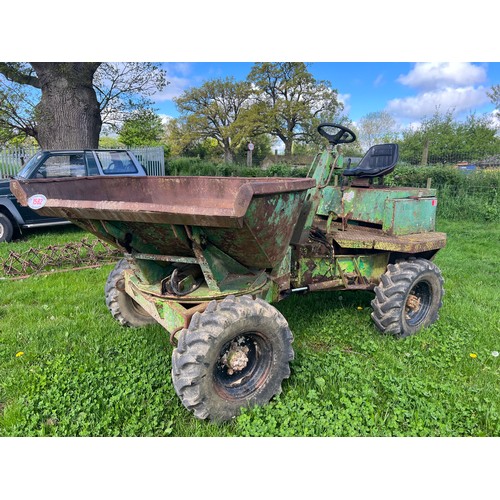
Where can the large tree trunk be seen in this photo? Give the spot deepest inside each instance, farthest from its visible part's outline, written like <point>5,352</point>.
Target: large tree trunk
<point>288,147</point>
<point>228,153</point>
<point>68,112</point>
<point>228,156</point>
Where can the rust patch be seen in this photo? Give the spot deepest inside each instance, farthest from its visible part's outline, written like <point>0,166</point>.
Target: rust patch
<point>200,201</point>
<point>372,238</point>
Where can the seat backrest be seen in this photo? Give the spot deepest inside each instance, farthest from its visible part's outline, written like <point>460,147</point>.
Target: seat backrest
<point>379,160</point>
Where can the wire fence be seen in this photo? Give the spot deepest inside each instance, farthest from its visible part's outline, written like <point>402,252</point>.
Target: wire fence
<point>12,159</point>
<point>459,160</point>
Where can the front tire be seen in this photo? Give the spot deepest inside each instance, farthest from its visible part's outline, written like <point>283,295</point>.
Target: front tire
<point>235,354</point>
<point>408,297</point>
<point>121,306</point>
<point>6,229</point>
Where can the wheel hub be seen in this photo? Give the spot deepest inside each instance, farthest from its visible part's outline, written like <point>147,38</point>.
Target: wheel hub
<point>235,359</point>
<point>413,302</point>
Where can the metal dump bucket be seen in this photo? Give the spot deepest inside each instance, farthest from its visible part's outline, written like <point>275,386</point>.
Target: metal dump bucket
<point>250,219</point>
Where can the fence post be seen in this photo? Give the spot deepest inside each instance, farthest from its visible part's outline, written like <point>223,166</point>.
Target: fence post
<point>425,153</point>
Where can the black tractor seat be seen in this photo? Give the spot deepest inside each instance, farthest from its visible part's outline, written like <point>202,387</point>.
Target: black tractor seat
<point>379,160</point>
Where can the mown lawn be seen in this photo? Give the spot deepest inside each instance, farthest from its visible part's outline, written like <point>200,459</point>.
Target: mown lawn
<point>81,374</point>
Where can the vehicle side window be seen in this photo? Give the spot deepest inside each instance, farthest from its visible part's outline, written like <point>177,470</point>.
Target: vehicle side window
<point>91,164</point>
<point>70,165</point>
<point>116,163</point>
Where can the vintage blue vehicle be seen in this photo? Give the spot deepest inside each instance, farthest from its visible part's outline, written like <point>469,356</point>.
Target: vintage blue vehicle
<point>54,164</point>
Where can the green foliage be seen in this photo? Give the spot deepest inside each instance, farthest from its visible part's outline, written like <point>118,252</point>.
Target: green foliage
<point>142,128</point>
<point>108,142</point>
<point>290,102</point>
<point>448,140</point>
<point>262,148</point>
<point>198,166</point>
<point>494,95</point>
<point>17,105</point>
<point>214,111</point>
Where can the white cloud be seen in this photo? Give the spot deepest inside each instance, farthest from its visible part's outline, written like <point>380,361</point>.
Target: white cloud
<point>183,69</point>
<point>429,76</point>
<point>343,98</point>
<point>452,86</point>
<point>175,88</point>
<point>495,119</point>
<point>415,125</point>
<point>178,76</point>
<point>444,99</point>
<point>165,119</point>
<point>378,81</point>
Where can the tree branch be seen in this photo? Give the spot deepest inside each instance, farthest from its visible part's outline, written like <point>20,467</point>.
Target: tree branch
<point>14,73</point>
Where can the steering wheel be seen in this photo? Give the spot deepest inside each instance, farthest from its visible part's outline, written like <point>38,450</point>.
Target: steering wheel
<point>337,138</point>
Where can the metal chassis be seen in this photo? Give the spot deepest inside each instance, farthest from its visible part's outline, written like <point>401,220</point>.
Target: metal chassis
<point>366,227</point>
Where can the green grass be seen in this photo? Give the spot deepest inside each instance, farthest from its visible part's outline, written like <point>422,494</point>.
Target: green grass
<point>81,374</point>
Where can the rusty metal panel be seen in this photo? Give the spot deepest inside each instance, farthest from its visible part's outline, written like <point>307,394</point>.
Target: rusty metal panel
<point>370,204</point>
<point>406,216</point>
<point>268,225</point>
<point>251,219</point>
<point>200,201</point>
<point>375,239</point>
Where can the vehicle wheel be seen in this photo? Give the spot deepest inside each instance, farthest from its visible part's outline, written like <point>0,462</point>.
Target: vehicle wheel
<point>235,354</point>
<point>123,307</point>
<point>6,228</point>
<point>408,297</point>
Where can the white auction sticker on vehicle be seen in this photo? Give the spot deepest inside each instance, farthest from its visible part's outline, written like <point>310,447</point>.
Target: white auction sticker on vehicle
<point>37,201</point>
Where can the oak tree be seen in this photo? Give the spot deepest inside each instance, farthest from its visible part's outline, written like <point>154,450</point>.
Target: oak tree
<point>214,111</point>
<point>289,101</point>
<point>63,104</point>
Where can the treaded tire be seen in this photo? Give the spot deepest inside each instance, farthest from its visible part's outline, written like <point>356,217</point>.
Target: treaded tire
<point>123,307</point>
<point>6,228</point>
<point>205,384</point>
<point>393,312</point>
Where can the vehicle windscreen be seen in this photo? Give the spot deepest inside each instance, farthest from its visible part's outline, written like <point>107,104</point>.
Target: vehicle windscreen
<point>116,163</point>
<point>24,173</point>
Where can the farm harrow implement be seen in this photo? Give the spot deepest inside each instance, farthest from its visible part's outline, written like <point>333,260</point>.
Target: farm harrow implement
<point>71,256</point>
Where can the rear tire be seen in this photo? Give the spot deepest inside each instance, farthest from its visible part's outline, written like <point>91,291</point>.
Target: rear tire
<point>408,297</point>
<point>123,307</point>
<point>235,354</point>
<point>6,229</point>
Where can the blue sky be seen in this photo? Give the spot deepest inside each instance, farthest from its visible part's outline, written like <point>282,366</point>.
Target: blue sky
<point>409,91</point>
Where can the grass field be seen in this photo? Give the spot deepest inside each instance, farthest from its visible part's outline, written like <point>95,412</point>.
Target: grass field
<point>68,369</point>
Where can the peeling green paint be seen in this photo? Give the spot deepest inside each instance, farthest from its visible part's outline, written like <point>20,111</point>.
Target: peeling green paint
<point>397,210</point>
<point>367,268</point>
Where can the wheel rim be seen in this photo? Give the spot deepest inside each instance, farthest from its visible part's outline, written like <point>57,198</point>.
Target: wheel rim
<point>418,303</point>
<point>242,366</point>
<point>138,309</point>
<point>2,230</point>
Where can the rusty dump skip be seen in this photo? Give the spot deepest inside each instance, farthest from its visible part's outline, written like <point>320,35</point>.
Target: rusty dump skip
<point>251,219</point>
